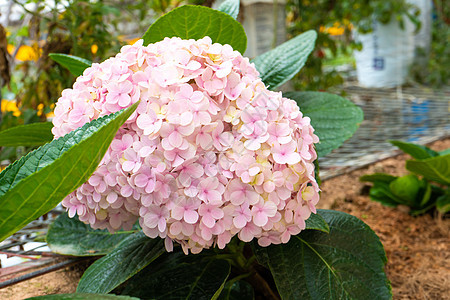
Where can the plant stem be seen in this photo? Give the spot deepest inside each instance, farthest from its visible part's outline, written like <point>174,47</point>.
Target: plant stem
<point>261,285</point>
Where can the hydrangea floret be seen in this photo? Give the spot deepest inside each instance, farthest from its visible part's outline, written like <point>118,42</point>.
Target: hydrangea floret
<point>208,154</point>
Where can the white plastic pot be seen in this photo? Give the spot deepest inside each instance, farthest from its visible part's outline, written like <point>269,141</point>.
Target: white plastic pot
<point>388,52</point>
<point>387,55</point>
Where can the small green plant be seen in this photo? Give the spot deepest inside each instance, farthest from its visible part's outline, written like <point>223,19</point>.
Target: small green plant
<point>426,188</point>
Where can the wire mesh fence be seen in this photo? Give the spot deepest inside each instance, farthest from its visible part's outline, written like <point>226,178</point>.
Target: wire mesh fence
<point>413,115</point>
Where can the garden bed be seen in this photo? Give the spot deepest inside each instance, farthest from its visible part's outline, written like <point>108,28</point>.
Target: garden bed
<point>417,248</point>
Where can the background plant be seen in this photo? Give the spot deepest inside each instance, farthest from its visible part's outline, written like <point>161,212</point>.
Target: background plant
<point>343,17</point>
<point>436,73</point>
<point>322,262</point>
<point>415,190</point>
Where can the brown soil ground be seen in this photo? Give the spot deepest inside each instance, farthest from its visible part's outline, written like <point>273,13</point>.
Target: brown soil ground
<point>417,248</point>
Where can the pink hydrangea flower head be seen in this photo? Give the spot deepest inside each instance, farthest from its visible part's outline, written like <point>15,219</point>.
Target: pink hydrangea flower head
<point>210,152</point>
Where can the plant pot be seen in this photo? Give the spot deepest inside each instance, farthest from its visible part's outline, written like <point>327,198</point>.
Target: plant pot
<point>386,56</point>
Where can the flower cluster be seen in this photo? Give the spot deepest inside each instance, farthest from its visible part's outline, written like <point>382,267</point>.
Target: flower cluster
<point>208,154</point>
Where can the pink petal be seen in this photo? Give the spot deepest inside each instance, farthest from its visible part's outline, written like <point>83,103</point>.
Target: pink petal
<point>175,139</point>
<point>239,221</point>
<point>260,219</point>
<point>190,216</point>
<point>141,180</point>
<point>72,211</point>
<point>127,166</point>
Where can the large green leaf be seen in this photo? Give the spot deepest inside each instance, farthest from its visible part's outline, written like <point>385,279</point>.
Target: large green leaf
<point>281,64</point>
<point>346,263</point>
<point>416,151</point>
<point>335,119</point>
<point>82,296</point>
<point>435,169</point>
<point>175,276</point>
<point>38,181</point>
<point>34,134</point>
<point>132,255</point>
<point>196,22</point>
<point>70,236</point>
<point>76,65</point>
<point>316,222</point>
<point>382,177</point>
<point>237,290</point>
<point>230,7</point>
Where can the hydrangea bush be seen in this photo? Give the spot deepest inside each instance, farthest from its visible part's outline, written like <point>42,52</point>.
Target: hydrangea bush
<point>180,145</point>
<point>209,153</point>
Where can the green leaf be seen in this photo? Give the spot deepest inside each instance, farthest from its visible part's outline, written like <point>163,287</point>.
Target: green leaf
<point>443,203</point>
<point>382,177</point>
<point>130,256</point>
<point>435,169</point>
<point>196,22</point>
<point>444,152</point>
<point>426,193</point>
<point>279,65</point>
<point>406,188</point>
<point>69,236</point>
<point>381,192</point>
<point>230,7</point>
<point>334,118</point>
<point>416,151</point>
<point>82,296</point>
<point>38,181</point>
<point>316,222</point>
<point>76,65</point>
<point>346,263</point>
<point>237,290</point>
<point>34,134</point>
<point>176,276</point>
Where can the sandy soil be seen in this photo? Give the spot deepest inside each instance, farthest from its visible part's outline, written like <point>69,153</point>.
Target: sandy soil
<point>418,248</point>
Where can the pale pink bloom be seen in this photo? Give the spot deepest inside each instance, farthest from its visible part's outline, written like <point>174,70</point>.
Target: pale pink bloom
<point>285,154</point>
<point>165,75</point>
<point>262,211</point>
<point>156,216</point>
<point>222,70</point>
<point>242,215</point>
<point>145,179</point>
<point>279,133</point>
<point>208,154</point>
<point>131,161</point>
<point>119,93</point>
<point>253,118</point>
<point>209,191</point>
<point>238,192</point>
<point>149,122</point>
<point>210,214</point>
<point>249,232</point>
<point>189,171</point>
<point>178,112</point>
<point>81,113</point>
<point>122,144</point>
<point>210,82</point>
<point>186,209</point>
<point>234,86</point>
<point>187,94</point>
